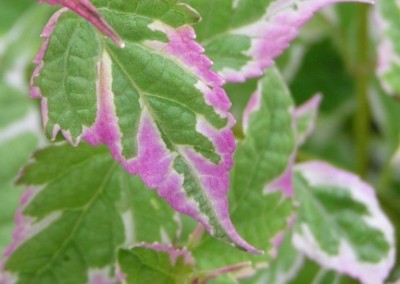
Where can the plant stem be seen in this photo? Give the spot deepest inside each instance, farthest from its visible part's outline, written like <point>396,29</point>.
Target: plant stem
<point>362,73</point>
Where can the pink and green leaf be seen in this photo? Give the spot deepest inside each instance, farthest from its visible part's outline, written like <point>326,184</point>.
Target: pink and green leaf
<point>304,119</point>
<point>57,231</point>
<point>341,225</point>
<point>85,9</point>
<point>243,37</point>
<point>18,138</point>
<point>388,20</point>
<point>57,225</point>
<point>155,103</point>
<point>263,155</point>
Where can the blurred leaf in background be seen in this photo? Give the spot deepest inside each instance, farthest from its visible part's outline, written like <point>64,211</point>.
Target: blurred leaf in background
<point>21,23</point>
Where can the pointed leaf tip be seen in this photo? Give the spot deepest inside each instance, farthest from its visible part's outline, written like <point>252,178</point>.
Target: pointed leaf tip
<point>136,109</point>
<point>86,10</point>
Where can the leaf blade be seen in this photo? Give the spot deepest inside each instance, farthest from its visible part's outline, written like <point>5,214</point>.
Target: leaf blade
<point>246,37</point>
<point>359,233</point>
<point>179,142</point>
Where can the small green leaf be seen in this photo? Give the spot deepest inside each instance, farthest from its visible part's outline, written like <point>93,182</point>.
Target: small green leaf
<point>155,263</point>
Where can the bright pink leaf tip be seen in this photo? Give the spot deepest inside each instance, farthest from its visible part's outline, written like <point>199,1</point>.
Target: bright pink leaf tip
<point>86,10</point>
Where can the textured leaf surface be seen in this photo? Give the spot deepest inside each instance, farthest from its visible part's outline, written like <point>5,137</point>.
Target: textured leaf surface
<point>85,9</point>
<point>147,218</point>
<point>155,103</point>
<point>388,15</point>
<point>340,224</point>
<point>155,263</point>
<point>261,157</point>
<point>243,37</point>
<point>58,233</point>
<point>79,206</point>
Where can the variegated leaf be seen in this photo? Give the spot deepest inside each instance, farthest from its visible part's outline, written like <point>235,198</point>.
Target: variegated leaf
<point>19,136</point>
<point>243,37</point>
<point>85,9</point>
<point>262,156</point>
<point>155,103</point>
<point>58,233</point>
<point>304,119</point>
<point>388,17</point>
<point>340,224</point>
<point>78,208</point>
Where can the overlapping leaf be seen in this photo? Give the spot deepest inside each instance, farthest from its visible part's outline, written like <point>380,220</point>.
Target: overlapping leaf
<point>58,230</point>
<point>85,9</point>
<point>17,140</point>
<point>340,224</point>
<point>155,263</point>
<point>243,37</point>
<point>261,157</point>
<point>304,119</point>
<point>388,16</point>
<point>155,103</point>
<point>76,211</point>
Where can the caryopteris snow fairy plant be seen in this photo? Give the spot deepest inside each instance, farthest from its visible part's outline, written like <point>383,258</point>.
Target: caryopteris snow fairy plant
<point>138,88</point>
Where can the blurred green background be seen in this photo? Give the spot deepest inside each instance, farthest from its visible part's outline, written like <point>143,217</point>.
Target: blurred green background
<point>358,128</point>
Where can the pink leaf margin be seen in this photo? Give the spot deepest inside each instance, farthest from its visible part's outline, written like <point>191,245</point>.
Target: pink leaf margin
<point>25,228</point>
<point>322,174</point>
<point>272,34</point>
<point>154,161</point>
<point>86,10</point>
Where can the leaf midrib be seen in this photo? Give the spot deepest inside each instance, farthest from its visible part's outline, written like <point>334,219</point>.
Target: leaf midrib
<point>176,149</point>
<point>78,223</point>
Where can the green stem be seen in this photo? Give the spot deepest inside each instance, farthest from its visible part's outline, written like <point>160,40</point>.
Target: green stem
<point>362,73</point>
